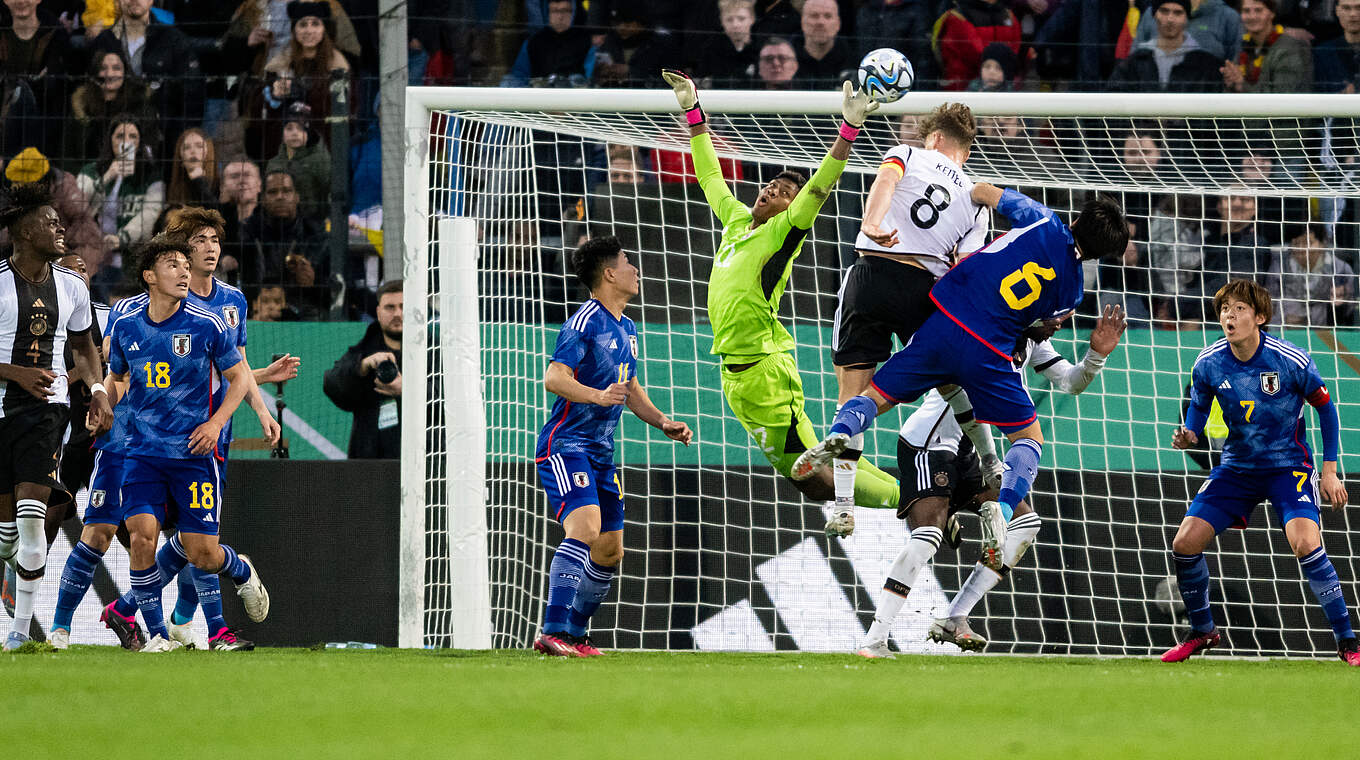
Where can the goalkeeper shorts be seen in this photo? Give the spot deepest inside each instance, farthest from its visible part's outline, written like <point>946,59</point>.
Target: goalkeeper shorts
<point>767,398</point>
<point>573,481</point>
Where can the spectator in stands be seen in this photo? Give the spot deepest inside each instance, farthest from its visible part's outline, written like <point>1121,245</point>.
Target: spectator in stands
<point>777,64</point>
<point>35,48</point>
<point>158,54</point>
<point>1176,256</point>
<point>1336,63</point>
<point>729,59</point>
<point>1314,287</point>
<point>279,245</point>
<point>1126,283</point>
<point>1232,248</point>
<point>193,177</point>
<point>304,156</point>
<point>108,92</point>
<point>558,54</point>
<point>776,18</point>
<point>301,73</point>
<point>901,24</point>
<point>125,192</point>
<point>1078,42</point>
<point>366,381</point>
<point>270,304</point>
<point>964,31</point>
<point>1270,60</point>
<point>82,234</point>
<point>1173,60</point>
<point>824,59</point>
<point>997,73</point>
<point>624,169</point>
<point>634,52</point>
<point>237,202</point>
<point>1215,27</point>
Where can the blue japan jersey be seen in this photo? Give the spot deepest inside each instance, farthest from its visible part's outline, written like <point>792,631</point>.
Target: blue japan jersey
<point>1262,401</point>
<point>602,351</point>
<point>1028,274</point>
<point>115,441</point>
<point>170,366</point>
<point>229,305</point>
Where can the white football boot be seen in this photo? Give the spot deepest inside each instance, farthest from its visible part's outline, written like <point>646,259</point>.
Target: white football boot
<point>876,650</point>
<point>819,456</point>
<point>183,633</point>
<point>993,534</point>
<point>59,639</point>
<point>955,631</point>
<point>159,644</point>
<point>253,594</point>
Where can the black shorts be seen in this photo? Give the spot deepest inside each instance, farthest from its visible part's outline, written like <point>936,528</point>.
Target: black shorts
<point>926,473</point>
<point>879,298</point>
<point>30,448</point>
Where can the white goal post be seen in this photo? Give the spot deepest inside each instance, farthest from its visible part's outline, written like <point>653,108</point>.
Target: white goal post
<point>499,183</point>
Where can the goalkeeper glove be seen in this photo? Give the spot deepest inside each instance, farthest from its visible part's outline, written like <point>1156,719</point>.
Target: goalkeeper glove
<point>855,107</point>
<point>685,94</point>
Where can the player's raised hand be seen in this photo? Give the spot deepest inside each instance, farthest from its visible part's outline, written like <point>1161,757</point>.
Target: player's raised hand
<point>204,438</point>
<point>615,394</point>
<point>1183,439</point>
<point>285,368</point>
<point>875,233</point>
<point>1108,330</point>
<point>38,382</point>
<point>1333,490</point>
<point>856,105</point>
<point>677,431</point>
<point>685,92</point>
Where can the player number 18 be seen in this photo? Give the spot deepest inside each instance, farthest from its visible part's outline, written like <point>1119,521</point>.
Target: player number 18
<point>161,378</point>
<point>203,495</point>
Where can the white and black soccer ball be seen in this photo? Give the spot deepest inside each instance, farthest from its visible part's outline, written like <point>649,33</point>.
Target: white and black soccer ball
<point>885,75</point>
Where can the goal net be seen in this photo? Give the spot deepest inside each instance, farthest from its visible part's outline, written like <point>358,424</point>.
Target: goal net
<point>724,555</point>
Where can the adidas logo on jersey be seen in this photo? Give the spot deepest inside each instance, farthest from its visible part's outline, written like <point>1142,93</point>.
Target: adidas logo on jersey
<point>613,345</point>
<point>38,304</point>
<point>1225,385</point>
<point>134,346</point>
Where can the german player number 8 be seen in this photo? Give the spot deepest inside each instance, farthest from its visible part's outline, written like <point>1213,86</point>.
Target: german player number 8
<point>925,212</point>
<point>161,378</point>
<point>1028,274</point>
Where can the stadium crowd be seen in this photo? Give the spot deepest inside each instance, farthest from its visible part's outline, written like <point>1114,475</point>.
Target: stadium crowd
<point>267,111</point>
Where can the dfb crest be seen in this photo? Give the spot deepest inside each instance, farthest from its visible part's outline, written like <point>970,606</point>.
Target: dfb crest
<point>580,479</point>
<point>97,498</point>
<point>1270,383</point>
<point>180,344</point>
<point>232,316</point>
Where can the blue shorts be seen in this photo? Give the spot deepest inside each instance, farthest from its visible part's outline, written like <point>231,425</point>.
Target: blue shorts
<point>943,353</point>
<point>106,490</point>
<point>190,489</point>
<point>1227,498</point>
<point>572,481</point>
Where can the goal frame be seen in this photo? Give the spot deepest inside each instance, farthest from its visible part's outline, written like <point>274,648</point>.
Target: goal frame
<point>466,429</point>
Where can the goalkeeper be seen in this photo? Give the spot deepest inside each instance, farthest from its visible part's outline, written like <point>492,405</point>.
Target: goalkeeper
<point>759,377</point>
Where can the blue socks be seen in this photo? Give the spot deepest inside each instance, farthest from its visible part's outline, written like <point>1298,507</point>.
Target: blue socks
<point>146,588</point>
<point>233,567</point>
<point>186,604</point>
<point>855,416</point>
<point>1022,465</point>
<point>76,578</point>
<point>1327,588</point>
<point>209,592</point>
<point>564,575</point>
<point>169,561</point>
<point>591,591</point>
<point>1192,575</point>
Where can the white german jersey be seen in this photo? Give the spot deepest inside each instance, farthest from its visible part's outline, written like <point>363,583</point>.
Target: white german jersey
<point>933,425</point>
<point>35,319</point>
<point>932,210</point>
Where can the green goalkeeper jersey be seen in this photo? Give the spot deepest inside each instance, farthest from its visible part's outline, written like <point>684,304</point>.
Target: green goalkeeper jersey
<point>752,266</point>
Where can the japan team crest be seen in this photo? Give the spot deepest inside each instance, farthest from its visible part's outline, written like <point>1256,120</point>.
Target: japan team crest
<point>1270,383</point>
<point>97,498</point>
<point>232,316</point>
<point>580,479</point>
<point>632,343</point>
<point>180,344</point>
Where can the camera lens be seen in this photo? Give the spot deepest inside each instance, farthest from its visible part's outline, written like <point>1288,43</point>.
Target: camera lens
<point>387,371</point>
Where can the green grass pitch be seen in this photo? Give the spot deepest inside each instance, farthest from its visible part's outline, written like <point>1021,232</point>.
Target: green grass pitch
<point>103,702</point>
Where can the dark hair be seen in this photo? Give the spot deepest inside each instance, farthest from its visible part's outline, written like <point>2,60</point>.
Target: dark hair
<point>156,248</point>
<point>141,156</point>
<point>391,286</point>
<point>1246,291</point>
<point>190,219</point>
<point>953,120</point>
<point>265,179</point>
<point>1100,230</point>
<point>795,177</point>
<point>588,262</point>
<point>774,40</point>
<point>1271,5</point>
<point>21,200</point>
<point>1316,229</point>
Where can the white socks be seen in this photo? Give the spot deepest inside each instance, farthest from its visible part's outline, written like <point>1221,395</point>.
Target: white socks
<point>914,556</point>
<point>1019,537</point>
<point>30,560</point>
<point>843,471</point>
<point>9,541</point>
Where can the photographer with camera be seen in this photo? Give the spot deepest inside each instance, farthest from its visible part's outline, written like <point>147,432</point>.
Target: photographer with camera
<point>367,381</point>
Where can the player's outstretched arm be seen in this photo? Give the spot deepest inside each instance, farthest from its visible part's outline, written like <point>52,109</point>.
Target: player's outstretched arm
<point>1074,378</point>
<point>268,425</point>
<point>205,436</point>
<point>725,206</point>
<point>877,204</point>
<point>640,404</point>
<point>855,108</point>
<point>561,381</point>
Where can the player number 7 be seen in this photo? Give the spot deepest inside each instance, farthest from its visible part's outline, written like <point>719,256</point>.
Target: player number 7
<point>1250,406</point>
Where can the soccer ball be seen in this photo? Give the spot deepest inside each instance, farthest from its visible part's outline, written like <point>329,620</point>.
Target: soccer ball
<point>885,75</point>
